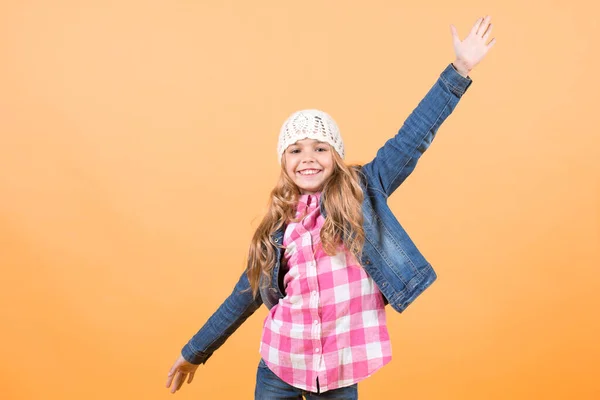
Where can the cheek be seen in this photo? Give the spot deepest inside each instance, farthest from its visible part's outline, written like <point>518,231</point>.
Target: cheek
<point>328,163</point>
<point>290,167</point>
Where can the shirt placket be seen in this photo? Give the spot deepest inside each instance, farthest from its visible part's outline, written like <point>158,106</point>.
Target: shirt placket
<point>313,285</point>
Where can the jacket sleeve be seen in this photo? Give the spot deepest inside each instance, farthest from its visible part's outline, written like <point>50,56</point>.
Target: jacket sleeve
<point>229,316</point>
<point>399,155</point>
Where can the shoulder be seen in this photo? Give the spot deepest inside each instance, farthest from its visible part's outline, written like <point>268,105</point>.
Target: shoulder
<point>361,173</point>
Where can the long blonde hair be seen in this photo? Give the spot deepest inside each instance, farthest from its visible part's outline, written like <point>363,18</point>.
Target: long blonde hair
<point>343,224</point>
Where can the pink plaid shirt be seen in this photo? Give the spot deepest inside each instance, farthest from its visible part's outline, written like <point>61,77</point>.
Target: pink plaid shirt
<point>331,326</point>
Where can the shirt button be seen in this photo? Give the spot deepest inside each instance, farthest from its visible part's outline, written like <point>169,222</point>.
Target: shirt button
<point>316,322</point>
<point>317,350</point>
<point>314,292</point>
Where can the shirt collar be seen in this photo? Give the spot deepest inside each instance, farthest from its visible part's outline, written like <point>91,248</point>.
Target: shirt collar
<point>309,201</point>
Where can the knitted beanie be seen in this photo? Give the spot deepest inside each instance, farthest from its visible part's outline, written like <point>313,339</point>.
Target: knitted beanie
<point>310,124</point>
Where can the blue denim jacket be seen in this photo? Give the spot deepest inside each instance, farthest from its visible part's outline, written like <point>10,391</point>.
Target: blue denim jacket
<point>389,256</point>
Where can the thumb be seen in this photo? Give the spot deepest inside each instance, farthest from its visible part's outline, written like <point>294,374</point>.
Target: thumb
<point>455,38</point>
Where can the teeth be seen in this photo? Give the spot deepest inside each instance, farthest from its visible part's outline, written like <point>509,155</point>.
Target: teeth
<point>309,172</point>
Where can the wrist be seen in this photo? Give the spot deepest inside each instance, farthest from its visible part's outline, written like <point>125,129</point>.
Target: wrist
<point>461,67</point>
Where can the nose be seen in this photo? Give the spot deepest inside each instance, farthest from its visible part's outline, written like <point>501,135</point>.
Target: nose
<point>308,156</point>
<point>308,161</point>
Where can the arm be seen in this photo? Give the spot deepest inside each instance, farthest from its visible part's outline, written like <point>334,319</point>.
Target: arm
<point>399,155</point>
<point>229,316</point>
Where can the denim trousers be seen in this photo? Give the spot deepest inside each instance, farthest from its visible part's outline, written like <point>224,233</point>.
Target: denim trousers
<point>270,387</point>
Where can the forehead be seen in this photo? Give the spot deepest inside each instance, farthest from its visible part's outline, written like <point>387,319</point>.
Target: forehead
<point>307,142</point>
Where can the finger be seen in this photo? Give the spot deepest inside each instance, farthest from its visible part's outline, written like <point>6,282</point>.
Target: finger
<point>483,26</point>
<point>181,381</point>
<point>170,376</point>
<point>486,35</point>
<point>491,44</point>
<point>476,26</point>
<point>191,378</point>
<point>176,382</point>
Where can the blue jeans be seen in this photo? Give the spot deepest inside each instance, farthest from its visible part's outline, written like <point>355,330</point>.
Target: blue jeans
<point>270,387</point>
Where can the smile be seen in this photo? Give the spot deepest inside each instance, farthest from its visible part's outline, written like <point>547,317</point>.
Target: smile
<point>309,172</point>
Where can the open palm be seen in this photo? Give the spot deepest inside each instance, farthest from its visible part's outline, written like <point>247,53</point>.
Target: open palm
<point>470,51</point>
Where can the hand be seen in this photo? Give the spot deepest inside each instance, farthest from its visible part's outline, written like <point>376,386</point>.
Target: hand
<point>180,371</point>
<point>473,49</point>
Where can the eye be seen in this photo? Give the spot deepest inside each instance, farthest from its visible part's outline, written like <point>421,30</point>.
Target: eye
<point>293,151</point>
<point>322,149</point>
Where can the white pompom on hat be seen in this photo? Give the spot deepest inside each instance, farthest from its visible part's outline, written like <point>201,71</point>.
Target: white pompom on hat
<point>310,124</point>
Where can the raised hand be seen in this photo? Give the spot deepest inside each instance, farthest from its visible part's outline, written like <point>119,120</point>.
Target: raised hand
<point>470,51</point>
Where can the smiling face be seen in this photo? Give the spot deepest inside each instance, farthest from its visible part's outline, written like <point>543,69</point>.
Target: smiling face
<point>309,163</point>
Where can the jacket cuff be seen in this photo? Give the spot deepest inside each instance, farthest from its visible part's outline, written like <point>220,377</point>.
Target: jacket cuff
<point>194,357</point>
<point>457,83</point>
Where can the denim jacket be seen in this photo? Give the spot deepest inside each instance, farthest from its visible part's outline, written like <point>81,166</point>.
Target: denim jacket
<point>389,256</point>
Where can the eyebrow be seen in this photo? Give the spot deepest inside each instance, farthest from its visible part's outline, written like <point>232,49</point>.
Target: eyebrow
<point>314,142</point>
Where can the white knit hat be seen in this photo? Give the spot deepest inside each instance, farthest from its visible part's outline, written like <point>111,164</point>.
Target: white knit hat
<point>310,124</point>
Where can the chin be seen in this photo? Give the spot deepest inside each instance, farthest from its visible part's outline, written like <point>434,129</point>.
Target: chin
<point>312,190</point>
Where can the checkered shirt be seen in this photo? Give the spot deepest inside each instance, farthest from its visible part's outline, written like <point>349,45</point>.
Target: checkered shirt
<point>331,325</point>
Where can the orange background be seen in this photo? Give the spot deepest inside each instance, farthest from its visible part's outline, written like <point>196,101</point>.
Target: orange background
<point>138,147</point>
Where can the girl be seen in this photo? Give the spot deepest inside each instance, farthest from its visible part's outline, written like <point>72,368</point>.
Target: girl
<point>330,255</point>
